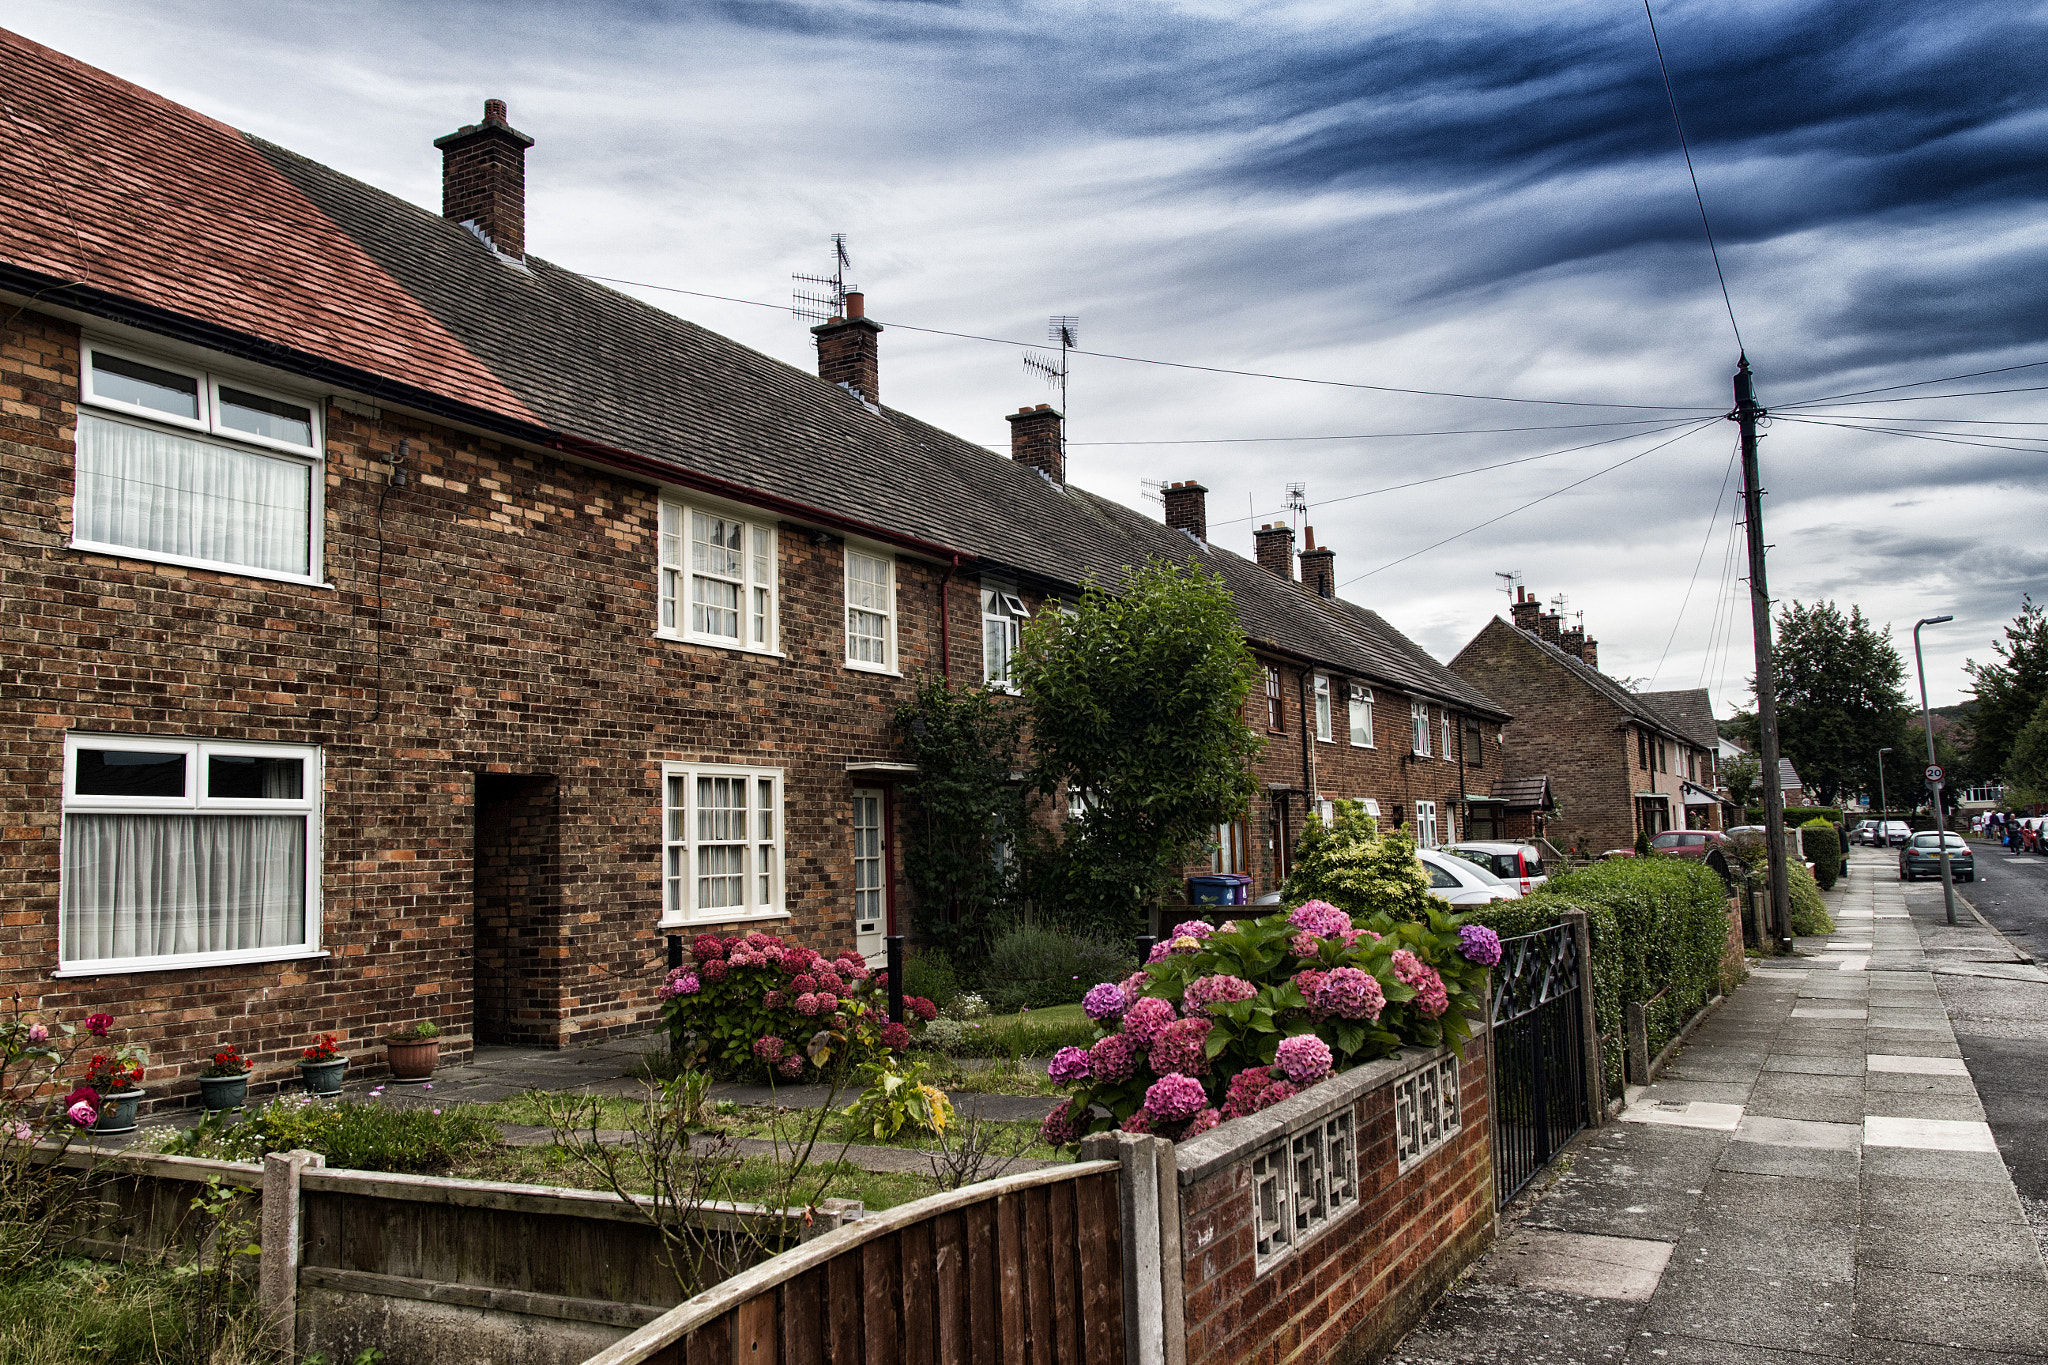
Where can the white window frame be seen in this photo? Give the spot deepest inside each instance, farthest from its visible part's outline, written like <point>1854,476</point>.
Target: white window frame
<point>1002,613</point>
<point>1361,706</point>
<point>681,859</point>
<point>1418,724</point>
<point>1322,696</point>
<point>888,663</point>
<point>1443,718</point>
<point>207,428</point>
<point>196,801</point>
<point>760,571</point>
<point>1425,824</point>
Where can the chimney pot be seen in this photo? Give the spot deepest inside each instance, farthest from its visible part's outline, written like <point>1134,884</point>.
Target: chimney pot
<point>1275,552</point>
<point>1187,509</point>
<point>1319,566</point>
<point>483,179</point>
<point>849,352</point>
<point>1036,439</point>
<point>1526,610</point>
<point>1590,652</point>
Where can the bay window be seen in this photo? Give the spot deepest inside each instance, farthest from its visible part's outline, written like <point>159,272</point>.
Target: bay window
<point>185,853</point>
<point>186,467</point>
<point>721,843</point>
<point>717,578</point>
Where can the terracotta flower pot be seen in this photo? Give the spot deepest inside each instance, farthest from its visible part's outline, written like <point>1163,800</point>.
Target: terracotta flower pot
<point>324,1078</point>
<point>223,1092</point>
<point>412,1060</point>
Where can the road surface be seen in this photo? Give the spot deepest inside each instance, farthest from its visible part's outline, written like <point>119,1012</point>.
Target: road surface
<point>2002,1026</point>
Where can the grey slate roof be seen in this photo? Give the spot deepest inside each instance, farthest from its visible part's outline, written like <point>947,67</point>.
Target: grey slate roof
<point>1634,704</point>
<point>1524,793</point>
<point>1691,710</point>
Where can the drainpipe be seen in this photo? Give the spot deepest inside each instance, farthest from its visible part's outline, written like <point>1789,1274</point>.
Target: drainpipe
<point>946,622</point>
<point>1308,752</point>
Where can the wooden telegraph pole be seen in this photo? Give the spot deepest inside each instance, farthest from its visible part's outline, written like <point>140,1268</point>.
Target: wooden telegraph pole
<point>1745,416</point>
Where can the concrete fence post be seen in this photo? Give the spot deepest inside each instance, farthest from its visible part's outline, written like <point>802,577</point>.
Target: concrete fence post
<point>277,1281</point>
<point>1138,1191</point>
<point>830,1216</point>
<point>1638,1043</point>
<point>1589,1024</point>
<point>1172,1268</point>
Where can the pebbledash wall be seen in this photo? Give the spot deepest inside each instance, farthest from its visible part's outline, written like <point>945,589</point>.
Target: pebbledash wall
<point>1323,1228</point>
<point>510,654</point>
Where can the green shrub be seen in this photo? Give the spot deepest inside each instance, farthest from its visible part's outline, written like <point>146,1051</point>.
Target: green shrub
<point>1809,911</point>
<point>1655,922</point>
<point>929,972</point>
<point>1356,868</point>
<point>1032,966</point>
<point>1821,844</point>
<point>358,1135</point>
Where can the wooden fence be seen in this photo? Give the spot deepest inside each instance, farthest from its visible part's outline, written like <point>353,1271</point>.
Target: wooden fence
<point>1026,1270</point>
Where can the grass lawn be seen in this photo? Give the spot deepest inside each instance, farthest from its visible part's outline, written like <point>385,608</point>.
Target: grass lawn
<point>62,1312</point>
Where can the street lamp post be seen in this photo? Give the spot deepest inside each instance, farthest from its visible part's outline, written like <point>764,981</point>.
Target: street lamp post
<point>1881,804</point>
<point>1935,776</point>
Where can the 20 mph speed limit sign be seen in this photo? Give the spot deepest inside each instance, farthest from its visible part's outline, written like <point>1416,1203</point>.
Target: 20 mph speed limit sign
<point>1935,774</point>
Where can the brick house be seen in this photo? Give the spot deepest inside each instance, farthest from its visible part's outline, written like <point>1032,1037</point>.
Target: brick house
<point>1613,761</point>
<point>399,626</point>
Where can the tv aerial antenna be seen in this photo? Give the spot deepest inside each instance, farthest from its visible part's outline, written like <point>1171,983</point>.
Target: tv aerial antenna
<point>1063,331</point>
<point>823,297</point>
<point>1509,582</point>
<point>1297,502</point>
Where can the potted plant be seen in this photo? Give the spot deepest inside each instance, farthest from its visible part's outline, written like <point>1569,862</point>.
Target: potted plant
<point>321,1065</point>
<point>413,1050</point>
<point>225,1080</point>
<point>117,1077</point>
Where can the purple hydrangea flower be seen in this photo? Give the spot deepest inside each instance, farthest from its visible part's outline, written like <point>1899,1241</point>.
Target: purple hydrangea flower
<point>1178,1048</point>
<point>1192,928</point>
<point>1145,1018</point>
<point>1105,1002</point>
<point>1114,1058</point>
<point>1205,991</point>
<point>1059,1128</point>
<point>1431,999</point>
<point>1176,1097</point>
<point>1347,993</point>
<point>1479,944</point>
<point>1068,1065</point>
<point>680,982</point>
<point>1305,1058</point>
<point>1319,918</point>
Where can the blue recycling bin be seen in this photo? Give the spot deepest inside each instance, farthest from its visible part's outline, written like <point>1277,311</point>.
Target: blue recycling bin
<point>1219,888</point>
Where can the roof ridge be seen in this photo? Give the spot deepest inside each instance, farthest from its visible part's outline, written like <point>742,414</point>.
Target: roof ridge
<point>101,76</point>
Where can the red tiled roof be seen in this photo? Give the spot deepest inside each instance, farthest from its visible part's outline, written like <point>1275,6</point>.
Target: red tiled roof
<point>104,183</point>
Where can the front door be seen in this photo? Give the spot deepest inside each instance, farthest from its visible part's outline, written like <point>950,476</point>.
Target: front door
<point>870,874</point>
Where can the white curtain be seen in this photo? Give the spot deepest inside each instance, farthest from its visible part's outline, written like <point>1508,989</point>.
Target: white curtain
<point>154,491</point>
<point>153,885</point>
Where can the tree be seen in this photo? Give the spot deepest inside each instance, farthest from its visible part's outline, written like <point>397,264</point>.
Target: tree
<point>2010,691</point>
<point>1742,777</point>
<point>1137,704</point>
<point>1840,696</point>
<point>2026,771</point>
<point>964,809</point>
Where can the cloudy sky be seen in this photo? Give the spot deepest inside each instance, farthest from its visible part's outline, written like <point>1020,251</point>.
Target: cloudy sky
<point>1465,198</point>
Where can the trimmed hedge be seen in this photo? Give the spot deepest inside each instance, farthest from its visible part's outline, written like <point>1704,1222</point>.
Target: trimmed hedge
<point>1654,922</point>
<point>1798,815</point>
<point>1821,844</point>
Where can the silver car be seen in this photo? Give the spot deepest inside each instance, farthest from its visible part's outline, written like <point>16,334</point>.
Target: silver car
<point>1462,882</point>
<point>1519,865</point>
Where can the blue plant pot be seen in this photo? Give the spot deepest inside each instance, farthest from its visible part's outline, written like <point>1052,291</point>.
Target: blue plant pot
<point>117,1112</point>
<point>323,1078</point>
<point>222,1092</point>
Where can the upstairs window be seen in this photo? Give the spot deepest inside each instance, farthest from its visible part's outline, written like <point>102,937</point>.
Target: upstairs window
<point>717,578</point>
<point>870,611</point>
<point>1002,616</point>
<point>1418,723</point>
<point>1322,692</point>
<point>1274,714</point>
<point>1443,719</point>
<point>186,467</point>
<point>1361,717</point>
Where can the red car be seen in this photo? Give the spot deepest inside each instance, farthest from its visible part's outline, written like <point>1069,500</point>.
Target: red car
<point>1690,843</point>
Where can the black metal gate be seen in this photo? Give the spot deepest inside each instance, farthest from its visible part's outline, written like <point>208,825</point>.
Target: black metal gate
<point>1539,1055</point>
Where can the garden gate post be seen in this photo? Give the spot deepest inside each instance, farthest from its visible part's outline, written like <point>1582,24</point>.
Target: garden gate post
<point>277,1280</point>
<point>1147,1166</point>
<point>1596,1067</point>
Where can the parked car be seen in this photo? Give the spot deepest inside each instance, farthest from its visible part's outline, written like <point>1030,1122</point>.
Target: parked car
<point>1921,857</point>
<point>1893,834</point>
<point>1459,882</point>
<point>1519,865</point>
<point>1689,843</point>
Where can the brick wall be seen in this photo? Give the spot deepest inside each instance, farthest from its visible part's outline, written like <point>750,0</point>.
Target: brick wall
<point>1352,1290</point>
<point>490,621</point>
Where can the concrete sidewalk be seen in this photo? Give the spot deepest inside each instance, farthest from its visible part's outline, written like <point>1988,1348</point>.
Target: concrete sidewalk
<point>1811,1179</point>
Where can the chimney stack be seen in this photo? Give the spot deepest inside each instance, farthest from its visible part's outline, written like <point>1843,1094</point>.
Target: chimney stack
<point>1590,652</point>
<point>1035,440</point>
<point>848,353</point>
<point>1550,625</point>
<point>1525,610</point>
<point>483,180</point>
<point>1573,641</point>
<point>1318,567</point>
<point>1187,509</point>
<point>1276,549</point>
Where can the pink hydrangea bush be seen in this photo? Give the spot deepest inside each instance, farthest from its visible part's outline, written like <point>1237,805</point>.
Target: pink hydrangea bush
<point>1224,1022</point>
<point>763,1007</point>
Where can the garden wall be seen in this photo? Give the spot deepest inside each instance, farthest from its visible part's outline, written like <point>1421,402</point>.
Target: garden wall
<point>1323,1228</point>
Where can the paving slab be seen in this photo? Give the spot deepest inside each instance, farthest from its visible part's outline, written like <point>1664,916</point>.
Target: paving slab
<point>1625,1268</point>
<point>1968,1312</point>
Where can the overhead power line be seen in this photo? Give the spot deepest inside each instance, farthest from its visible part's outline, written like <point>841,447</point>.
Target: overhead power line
<point>1686,147</point>
<point>1190,365</point>
<point>1556,492</point>
<point>1370,435</point>
<point>1916,384</point>
<point>1713,518</point>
